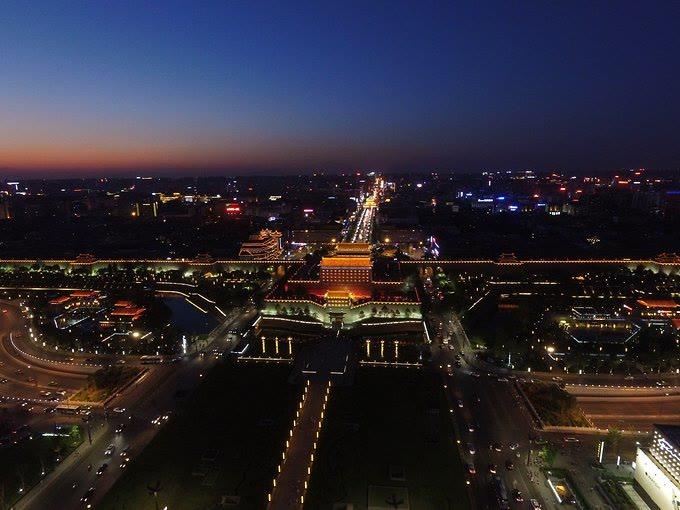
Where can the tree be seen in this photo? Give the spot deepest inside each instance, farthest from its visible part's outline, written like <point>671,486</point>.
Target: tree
<point>613,440</point>
<point>548,453</point>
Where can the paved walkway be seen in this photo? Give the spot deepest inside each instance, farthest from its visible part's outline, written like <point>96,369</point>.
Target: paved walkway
<point>295,469</point>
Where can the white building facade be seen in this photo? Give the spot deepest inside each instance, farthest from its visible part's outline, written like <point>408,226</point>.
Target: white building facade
<point>657,469</point>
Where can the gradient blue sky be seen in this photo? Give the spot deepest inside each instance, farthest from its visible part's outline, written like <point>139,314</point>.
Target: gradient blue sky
<point>205,86</point>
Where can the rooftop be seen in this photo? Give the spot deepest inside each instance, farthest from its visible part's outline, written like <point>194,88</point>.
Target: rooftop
<point>84,293</point>
<point>337,294</point>
<point>60,300</point>
<point>671,433</point>
<point>346,262</point>
<point>353,248</point>
<point>658,303</point>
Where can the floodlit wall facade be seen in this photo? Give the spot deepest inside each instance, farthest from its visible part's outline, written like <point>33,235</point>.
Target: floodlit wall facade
<point>306,309</point>
<point>656,481</point>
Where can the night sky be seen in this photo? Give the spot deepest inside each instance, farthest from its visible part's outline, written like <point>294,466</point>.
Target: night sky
<point>256,86</point>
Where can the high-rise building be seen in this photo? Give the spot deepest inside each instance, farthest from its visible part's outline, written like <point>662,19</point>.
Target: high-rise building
<point>657,468</point>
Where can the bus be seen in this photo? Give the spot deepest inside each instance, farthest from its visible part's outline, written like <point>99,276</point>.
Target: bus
<point>68,409</point>
<point>150,360</point>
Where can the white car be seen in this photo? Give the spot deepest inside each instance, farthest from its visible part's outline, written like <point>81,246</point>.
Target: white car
<point>535,504</point>
<point>471,448</point>
<point>109,450</point>
<point>118,409</point>
<point>160,419</point>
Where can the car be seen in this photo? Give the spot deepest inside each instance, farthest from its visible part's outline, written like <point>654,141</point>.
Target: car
<point>497,447</point>
<point>661,383</point>
<point>509,465</point>
<point>160,419</point>
<point>513,446</point>
<point>492,468</point>
<point>102,469</point>
<point>517,495</point>
<point>119,410</point>
<point>571,439</point>
<point>3,381</point>
<point>119,429</point>
<point>61,392</point>
<point>460,403</point>
<point>30,379</point>
<point>535,504</point>
<point>471,427</point>
<point>50,410</point>
<point>87,496</point>
<point>502,379</point>
<point>471,468</point>
<point>471,448</point>
<point>109,450</point>
<point>52,383</point>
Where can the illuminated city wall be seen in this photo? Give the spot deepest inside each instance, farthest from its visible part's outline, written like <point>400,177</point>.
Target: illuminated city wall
<point>271,266</point>
<point>306,310</point>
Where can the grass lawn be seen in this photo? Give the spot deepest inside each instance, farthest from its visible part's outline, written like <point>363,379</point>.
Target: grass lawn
<point>390,429</point>
<point>226,442</point>
<point>554,405</point>
<point>22,464</point>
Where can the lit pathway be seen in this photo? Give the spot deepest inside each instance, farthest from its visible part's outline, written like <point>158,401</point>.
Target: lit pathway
<point>298,457</point>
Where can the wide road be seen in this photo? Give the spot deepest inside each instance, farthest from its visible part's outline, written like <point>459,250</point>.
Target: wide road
<point>635,413</point>
<point>156,394</point>
<point>26,377</point>
<point>489,413</point>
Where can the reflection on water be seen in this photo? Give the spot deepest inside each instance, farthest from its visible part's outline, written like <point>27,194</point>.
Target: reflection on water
<point>188,318</point>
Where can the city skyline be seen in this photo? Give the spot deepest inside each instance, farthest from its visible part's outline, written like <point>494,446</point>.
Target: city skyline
<point>233,88</point>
